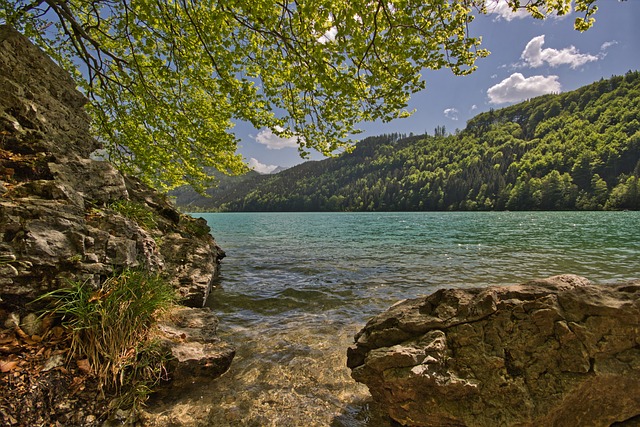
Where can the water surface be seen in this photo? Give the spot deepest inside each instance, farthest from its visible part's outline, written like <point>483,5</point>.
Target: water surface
<point>295,287</point>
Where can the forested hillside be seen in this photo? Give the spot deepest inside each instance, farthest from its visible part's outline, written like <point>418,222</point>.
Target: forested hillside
<point>576,150</point>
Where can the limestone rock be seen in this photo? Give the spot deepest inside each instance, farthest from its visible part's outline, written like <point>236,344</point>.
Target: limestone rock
<point>65,216</point>
<point>190,334</point>
<point>560,351</point>
<point>59,216</point>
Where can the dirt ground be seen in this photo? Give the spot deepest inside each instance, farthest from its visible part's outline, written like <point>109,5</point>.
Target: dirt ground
<point>40,385</point>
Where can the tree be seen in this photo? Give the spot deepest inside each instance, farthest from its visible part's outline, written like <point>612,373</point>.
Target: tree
<point>167,80</point>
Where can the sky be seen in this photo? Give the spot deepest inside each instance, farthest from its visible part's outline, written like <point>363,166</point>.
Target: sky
<point>528,58</point>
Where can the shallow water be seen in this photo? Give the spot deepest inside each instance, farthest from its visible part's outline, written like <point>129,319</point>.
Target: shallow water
<point>296,287</point>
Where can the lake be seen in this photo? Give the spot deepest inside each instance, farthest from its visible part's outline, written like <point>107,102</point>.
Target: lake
<point>295,287</point>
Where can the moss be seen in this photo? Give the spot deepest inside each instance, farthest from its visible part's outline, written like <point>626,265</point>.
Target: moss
<point>197,227</point>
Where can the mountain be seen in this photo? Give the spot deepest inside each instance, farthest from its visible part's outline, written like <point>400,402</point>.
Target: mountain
<point>575,150</point>
<point>227,189</point>
<point>278,170</point>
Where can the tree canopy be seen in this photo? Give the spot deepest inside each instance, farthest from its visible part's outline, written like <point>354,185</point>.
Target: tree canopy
<point>167,80</point>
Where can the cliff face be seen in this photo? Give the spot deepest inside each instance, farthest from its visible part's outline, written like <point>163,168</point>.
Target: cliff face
<point>66,216</point>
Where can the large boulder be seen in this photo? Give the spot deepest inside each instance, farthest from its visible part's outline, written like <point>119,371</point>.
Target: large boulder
<point>554,352</point>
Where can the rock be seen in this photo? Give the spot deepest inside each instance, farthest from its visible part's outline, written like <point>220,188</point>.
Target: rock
<point>66,216</point>
<point>560,351</point>
<point>12,321</point>
<point>31,324</point>
<point>190,335</point>
<point>59,215</point>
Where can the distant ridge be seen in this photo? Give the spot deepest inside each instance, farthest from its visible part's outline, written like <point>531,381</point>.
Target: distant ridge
<point>574,150</point>
<point>278,170</point>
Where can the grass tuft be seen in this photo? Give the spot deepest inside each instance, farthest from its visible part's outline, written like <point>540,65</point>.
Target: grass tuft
<point>111,327</point>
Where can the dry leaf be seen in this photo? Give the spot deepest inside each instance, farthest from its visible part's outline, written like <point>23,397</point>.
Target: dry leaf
<point>21,333</point>
<point>47,322</point>
<point>6,366</point>
<point>14,347</point>
<point>6,338</point>
<point>53,362</point>
<point>58,332</point>
<point>84,366</point>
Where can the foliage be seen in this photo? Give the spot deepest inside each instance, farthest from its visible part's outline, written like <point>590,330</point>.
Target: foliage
<point>110,327</point>
<point>167,80</point>
<point>136,212</point>
<point>533,155</point>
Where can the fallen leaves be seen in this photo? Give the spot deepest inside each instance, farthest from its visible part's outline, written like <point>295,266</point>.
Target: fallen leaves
<point>84,366</point>
<point>8,365</point>
<point>42,384</point>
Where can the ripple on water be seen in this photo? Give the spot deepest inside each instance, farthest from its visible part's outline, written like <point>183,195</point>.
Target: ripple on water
<point>295,288</point>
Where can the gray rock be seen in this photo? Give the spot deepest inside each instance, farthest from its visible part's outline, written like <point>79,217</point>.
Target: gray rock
<point>57,216</point>
<point>59,220</point>
<point>559,351</point>
<point>31,324</point>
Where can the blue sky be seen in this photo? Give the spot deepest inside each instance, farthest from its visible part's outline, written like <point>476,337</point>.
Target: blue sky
<point>528,58</point>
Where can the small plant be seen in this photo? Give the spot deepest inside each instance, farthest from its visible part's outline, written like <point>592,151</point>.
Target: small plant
<point>136,212</point>
<point>110,327</point>
<point>196,226</point>
<point>74,259</point>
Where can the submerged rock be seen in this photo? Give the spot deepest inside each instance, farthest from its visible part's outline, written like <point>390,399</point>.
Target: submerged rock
<point>197,352</point>
<point>560,351</point>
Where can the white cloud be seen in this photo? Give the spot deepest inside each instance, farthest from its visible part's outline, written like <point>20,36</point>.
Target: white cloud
<point>607,45</point>
<point>261,167</point>
<point>516,88</point>
<point>474,107</point>
<point>503,10</point>
<point>275,142</point>
<point>451,113</point>
<point>535,56</point>
<point>329,36</point>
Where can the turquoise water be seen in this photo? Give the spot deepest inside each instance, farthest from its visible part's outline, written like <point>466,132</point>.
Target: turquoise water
<point>295,287</point>
<point>357,263</point>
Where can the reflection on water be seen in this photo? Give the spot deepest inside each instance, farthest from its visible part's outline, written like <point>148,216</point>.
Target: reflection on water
<point>294,288</point>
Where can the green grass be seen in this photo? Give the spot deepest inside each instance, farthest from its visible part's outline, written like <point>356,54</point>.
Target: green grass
<point>136,212</point>
<point>111,328</point>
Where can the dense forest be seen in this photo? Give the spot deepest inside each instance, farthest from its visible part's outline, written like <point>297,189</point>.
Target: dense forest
<point>576,150</point>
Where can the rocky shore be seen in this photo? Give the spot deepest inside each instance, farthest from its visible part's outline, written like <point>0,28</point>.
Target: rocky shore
<point>67,217</point>
<point>555,352</point>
